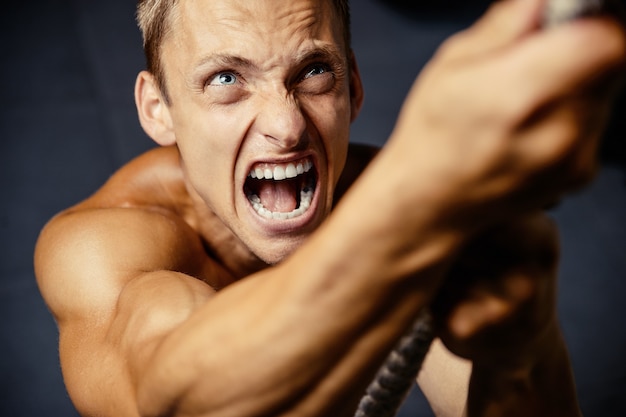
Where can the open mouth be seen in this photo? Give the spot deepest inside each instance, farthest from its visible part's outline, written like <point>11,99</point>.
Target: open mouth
<point>281,191</point>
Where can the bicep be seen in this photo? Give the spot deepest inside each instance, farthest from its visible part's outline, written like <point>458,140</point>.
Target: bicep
<point>109,288</point>
<point>104,358</point>
<point>84,260</point>
<point>150,307</point>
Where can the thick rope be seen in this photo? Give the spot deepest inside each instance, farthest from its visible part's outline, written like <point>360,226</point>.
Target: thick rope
<point>394,380</point>
<point>559,11</point>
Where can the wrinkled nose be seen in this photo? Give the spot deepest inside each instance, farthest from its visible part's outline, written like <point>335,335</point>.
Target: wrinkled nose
<point>281,121</point>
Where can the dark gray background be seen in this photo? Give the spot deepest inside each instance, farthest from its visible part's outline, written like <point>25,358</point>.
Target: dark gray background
<point>67,121</point>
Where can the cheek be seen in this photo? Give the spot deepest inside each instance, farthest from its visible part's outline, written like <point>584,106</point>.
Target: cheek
<point>340,153</point>
<point>331,117</point>
<point>336,136</point>
<point>209,147</point>
<point>206,176</point>
<point>209,135</point>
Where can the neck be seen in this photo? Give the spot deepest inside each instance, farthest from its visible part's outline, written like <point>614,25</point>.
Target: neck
<point>220,243</point>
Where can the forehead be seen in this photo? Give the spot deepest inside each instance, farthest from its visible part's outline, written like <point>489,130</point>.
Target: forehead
<point>256,26</point>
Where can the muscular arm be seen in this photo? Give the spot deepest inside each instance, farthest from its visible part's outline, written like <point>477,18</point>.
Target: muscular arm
<point>543,388</point>
<point>306,336</point>
<point>497,309</point>
<point>541,382</point>
<point>102,339</point>
<point>457,388</point>
<point>136,327</point>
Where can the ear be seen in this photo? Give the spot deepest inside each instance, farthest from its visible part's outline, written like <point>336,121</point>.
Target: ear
<point>356,88</point>
<point>153,111</point>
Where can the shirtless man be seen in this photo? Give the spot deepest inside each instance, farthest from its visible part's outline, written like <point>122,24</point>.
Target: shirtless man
<point>208,276</point>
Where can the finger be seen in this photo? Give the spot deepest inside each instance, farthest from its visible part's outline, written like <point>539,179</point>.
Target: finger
<point>504,22</point>
<point>584,163</point>
<point>563,61</point>
<point>563,142</point>
<point>476,314</point>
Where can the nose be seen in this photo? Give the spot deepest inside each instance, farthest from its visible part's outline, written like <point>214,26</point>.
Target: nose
<point>281,120</point>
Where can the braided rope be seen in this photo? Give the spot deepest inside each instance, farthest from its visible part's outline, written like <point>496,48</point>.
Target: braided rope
<point>559,11</point>
<point>397,375</point>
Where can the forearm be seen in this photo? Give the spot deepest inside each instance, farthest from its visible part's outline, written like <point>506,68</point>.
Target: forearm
<point>276,356</point>
<point>308,334</point>
<point>544,389</point>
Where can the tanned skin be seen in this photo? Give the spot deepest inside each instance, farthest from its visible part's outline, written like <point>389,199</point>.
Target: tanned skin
<point>176,296</point>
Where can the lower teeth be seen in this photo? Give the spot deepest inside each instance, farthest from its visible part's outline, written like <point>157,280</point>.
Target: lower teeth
<point>305,202</point>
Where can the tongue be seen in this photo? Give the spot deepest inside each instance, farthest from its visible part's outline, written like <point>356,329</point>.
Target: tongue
<point>278,196</point>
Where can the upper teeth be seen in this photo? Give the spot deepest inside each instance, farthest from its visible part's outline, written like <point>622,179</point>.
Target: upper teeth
<point>281,171</point>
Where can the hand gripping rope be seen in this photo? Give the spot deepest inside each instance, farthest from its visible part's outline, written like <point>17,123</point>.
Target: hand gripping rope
<point>392,383</point>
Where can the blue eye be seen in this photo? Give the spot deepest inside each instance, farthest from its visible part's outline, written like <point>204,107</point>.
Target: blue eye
<point>224,78</point>
<point>316,70</point>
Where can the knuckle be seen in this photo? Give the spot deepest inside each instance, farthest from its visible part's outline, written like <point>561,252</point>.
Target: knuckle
<point>522,289</point>
<point>453,47</point>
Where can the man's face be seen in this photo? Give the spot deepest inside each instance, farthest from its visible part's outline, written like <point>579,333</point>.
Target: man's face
<point>261,107</point>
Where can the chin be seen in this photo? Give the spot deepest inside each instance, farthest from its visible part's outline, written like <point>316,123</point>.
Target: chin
<point>277,252</point>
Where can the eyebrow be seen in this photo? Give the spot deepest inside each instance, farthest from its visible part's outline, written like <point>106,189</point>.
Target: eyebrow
<point>320,52</point>
<point>234,61</point>
<point>225,60</point>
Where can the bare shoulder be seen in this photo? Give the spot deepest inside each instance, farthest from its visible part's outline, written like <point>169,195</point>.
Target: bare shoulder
<point>84,258</point>
<point>359,157</point>
<point>132,225</point>
<point>152,180</point>
<point>119,271</point>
